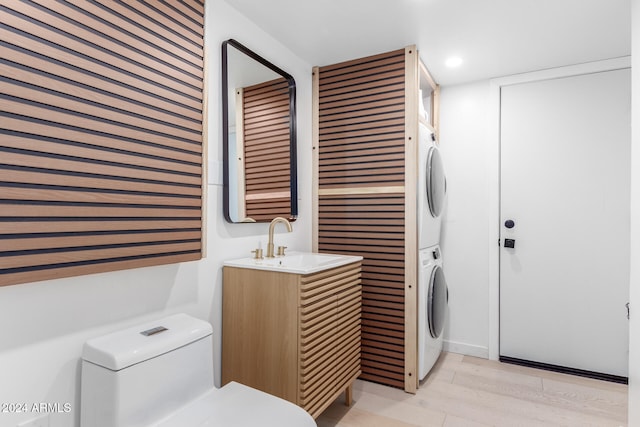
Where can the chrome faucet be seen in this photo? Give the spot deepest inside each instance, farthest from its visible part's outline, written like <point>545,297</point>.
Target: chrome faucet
<point>271,227</point>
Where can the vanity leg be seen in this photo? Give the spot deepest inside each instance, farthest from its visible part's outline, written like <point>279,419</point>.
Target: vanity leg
<point>348,395</point>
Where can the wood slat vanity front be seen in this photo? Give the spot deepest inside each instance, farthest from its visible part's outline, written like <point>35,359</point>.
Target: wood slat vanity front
<point>291,335</point>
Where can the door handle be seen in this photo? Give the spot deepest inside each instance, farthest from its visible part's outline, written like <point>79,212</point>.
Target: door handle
<point>510,243</point>
<point>628,311</point>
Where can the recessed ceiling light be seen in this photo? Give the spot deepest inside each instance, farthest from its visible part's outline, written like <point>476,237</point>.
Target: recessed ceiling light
<point>453,62</point>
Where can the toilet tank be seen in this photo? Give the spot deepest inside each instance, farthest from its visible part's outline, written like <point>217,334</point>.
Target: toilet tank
<point>142,374</point>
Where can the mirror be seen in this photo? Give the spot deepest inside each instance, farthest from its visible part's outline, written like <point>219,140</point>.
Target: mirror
<point>259,137</point>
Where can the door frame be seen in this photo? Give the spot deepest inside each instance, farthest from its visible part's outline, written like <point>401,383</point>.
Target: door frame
<point>493,167</point>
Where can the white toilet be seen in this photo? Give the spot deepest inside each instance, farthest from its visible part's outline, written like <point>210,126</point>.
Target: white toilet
<point>161,374</point>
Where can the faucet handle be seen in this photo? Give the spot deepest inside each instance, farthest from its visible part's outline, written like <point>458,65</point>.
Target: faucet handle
<point>258,254</point>
<point>281,250</point>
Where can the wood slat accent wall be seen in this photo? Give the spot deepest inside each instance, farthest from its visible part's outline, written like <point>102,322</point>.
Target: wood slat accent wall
<point>101,129</point>
<point>373,226</point>
<point>266,135</point>
<point>360,165</point>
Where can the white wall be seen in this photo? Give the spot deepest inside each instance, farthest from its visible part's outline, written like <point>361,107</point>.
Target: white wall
<point>464,133</point>
<point>228,241</point>
<point>634,293</point>
<point>43,325</point>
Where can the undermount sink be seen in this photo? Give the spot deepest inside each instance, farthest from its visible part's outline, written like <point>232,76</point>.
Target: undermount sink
<point>295,262</point>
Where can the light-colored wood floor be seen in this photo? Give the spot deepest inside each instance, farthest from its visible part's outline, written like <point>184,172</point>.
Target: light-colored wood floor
<point>464,391</point>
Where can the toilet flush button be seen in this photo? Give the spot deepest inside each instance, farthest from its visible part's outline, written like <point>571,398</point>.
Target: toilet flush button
<point>154,331</point>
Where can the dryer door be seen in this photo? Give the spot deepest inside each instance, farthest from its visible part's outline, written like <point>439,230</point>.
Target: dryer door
<point>436,184</point>
<point>437,302</point>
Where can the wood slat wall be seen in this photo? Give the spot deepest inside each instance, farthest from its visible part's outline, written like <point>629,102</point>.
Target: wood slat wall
<point>100,136</point>
<point>373,226</point>
<point>266,134</point>
<point>360,161</point>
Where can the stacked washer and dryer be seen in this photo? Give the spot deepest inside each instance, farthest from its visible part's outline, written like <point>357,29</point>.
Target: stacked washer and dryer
<point>432,287</point>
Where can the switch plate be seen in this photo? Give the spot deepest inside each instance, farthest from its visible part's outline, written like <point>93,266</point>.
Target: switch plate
<point>42,421</point>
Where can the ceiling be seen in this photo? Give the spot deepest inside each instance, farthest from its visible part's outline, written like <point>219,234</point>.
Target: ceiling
<point>494,38</point>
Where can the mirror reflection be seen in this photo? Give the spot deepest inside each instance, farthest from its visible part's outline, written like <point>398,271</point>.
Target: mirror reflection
<point>259,137</point>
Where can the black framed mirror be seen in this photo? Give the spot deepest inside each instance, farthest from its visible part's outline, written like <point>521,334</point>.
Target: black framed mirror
<point>259,137</point>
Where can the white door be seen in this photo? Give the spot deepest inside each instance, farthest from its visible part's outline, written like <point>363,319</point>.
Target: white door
<point>565,178</point>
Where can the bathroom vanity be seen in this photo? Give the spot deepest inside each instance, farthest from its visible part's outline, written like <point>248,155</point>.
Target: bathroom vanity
<point>291,326</point>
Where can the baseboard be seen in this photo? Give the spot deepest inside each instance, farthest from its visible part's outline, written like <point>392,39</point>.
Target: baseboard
<point>466,349</point>
<point>565,370</point>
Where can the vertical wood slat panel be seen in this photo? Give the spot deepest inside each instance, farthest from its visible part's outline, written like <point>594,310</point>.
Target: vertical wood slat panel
<point>411,380</point>
<point>361,136</point>
<point>101,137</point>
<point>266,127</point>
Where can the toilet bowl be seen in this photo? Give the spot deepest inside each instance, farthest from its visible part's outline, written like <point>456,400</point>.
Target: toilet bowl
<point>161,374</point>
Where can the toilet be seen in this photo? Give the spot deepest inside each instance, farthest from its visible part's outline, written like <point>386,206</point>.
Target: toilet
<point>161,374</point>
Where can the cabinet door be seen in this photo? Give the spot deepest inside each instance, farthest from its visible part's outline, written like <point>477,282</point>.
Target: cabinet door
<point>366,197</point>
<point>260,330</point>
<point>348,336</point>
<point>329,335</point>
<point>318,324</point>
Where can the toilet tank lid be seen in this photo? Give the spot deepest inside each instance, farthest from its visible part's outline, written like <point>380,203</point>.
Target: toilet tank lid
<point>121,349</point>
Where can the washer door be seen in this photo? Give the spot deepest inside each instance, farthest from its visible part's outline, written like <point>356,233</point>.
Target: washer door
<point>437,302</point>
<point>436,184</point>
